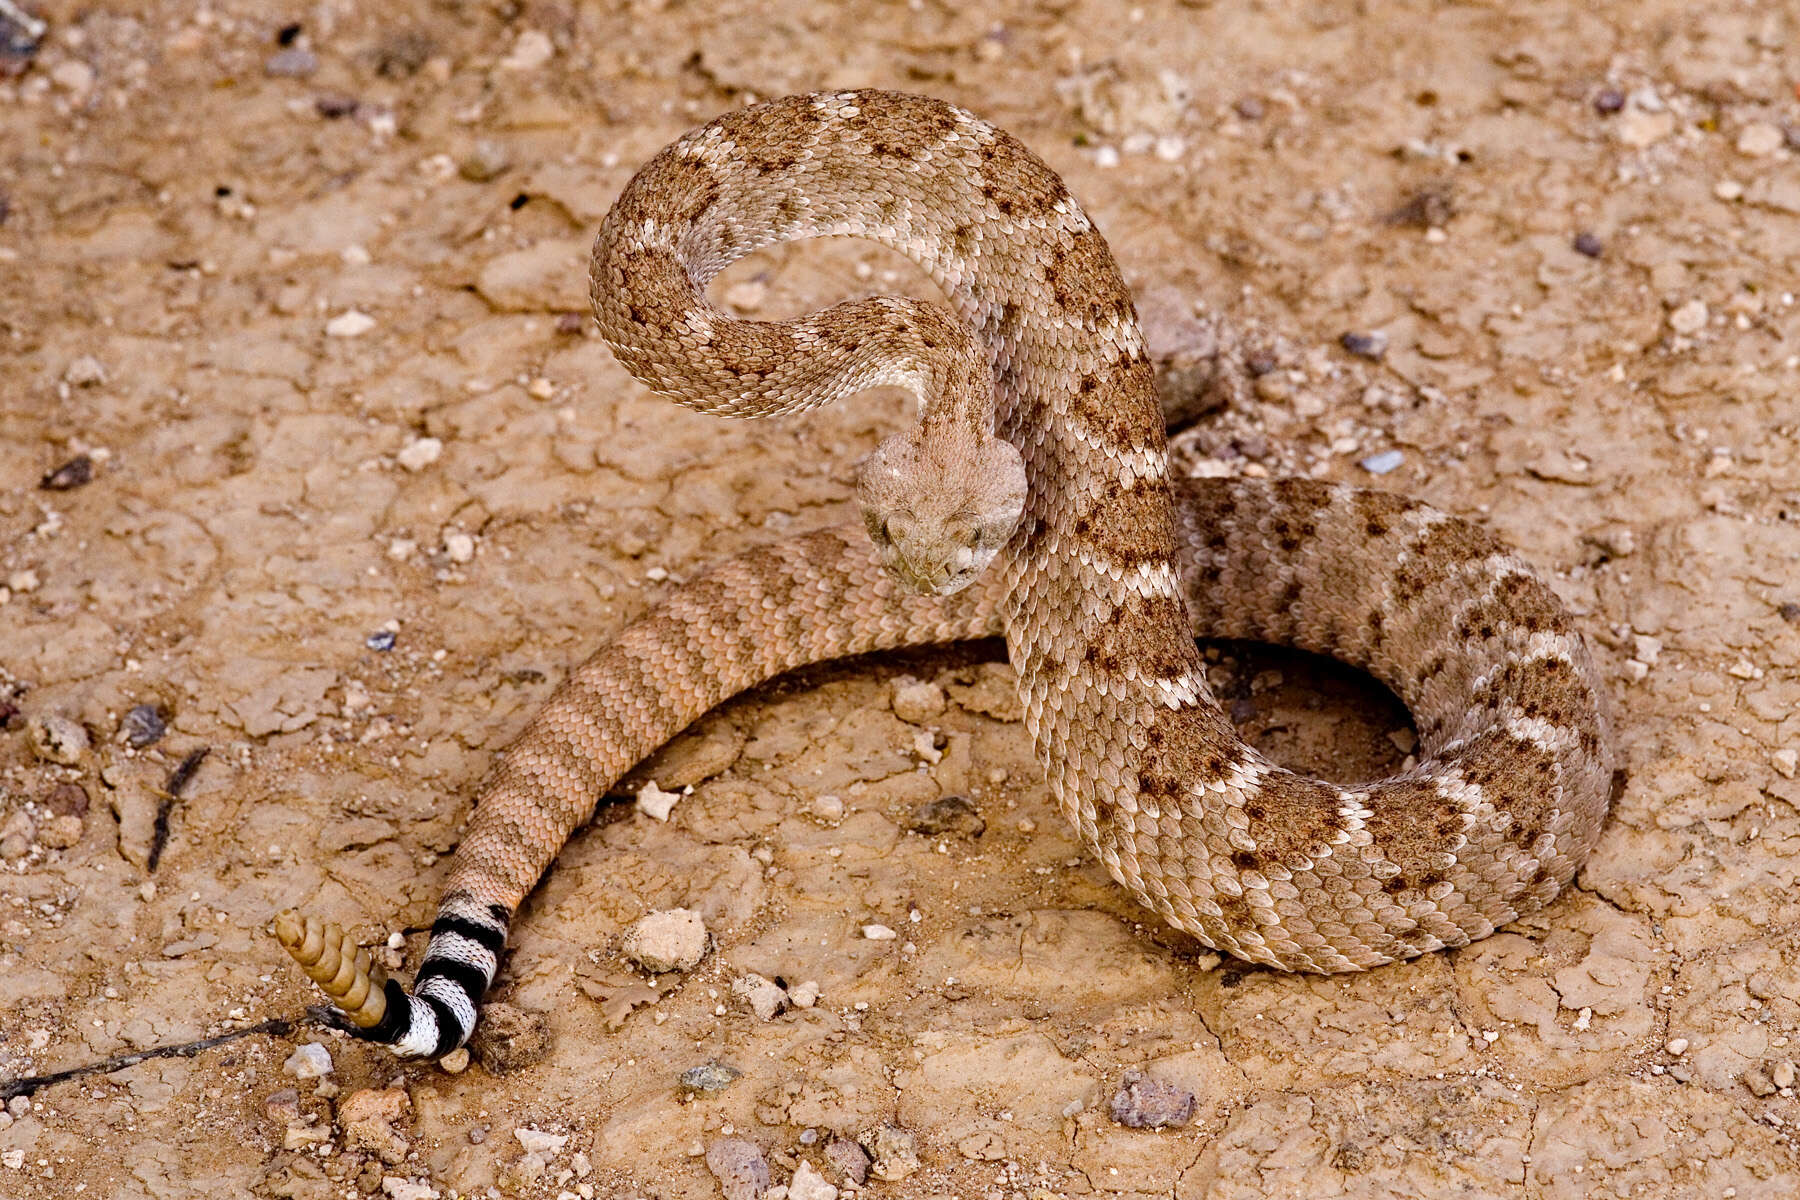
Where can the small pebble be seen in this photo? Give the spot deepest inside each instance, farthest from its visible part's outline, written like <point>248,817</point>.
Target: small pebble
<point>878,933</point>
<point>296,62</point>
<point>57,739</point>
<point>73,76</point>
<point>1786,761</point>
<point>1372,344</point>
<point>381,641</point>
<point>747,296</point>
<point>673,939</point>
<point>455,1062</point>
<point>23,580</point>
<point>349,324</point>
<point>808,1184</point>
<point>536,1141</point>
<point>740,1168</point>
<point>310,1061</point>
<point>1381,464</point>
<point>708,1077</point>
<point>655,803</point>
<point>59,833</point>
<point>420,453</point>
<point>485,160</point>
<point>67,800</point>
<point>894,1152</point>
<point>142,726</point>
<point>283,1107</point>
<point>85,371</point>
<point>850,1160</point>
<point>1676,1046</point>
<point>1782,1074</point>
<point>1250,108</point>
<point>1609,100</point>
<point>1690,318</point>
<point>828,808</point>
<point>1759,139</point>
<point>1728,190</point>
<point>71,475</point>
<point>804,994</point>
<point>765,999</point>
<point>917,701</point>
<point>532,50</point>
<point>459,547</point>
<point>947,814</point>
<point>1588,244</point>
<point>1146,1103</point>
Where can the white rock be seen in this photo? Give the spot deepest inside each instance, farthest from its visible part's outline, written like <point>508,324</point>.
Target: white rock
<point>308,1062</point>
<point>86,371</point>
<point>917,701</point>
<point>747,296</point>
<point>532,50</point>
<point>1690,318</point>
<point>879,933</point>
<point>459,546</point>
<point>74,77</point>
<point>23,580</point>
<point>1637,128</point>
<point>407,1189</point>
<point>804,995</point>
<point>420,453</point>
<point>349,323</point>
<point>673,939</point>
<point>1758,139</point>
<point>808,1184</point>
<point>655,803</point>
<point>401,549</point>
<point>828,808</point>
<point>762,995</point>
<point>1787,761</point>
<point>13,1159</point>
<point>536,1141</point>
<point>1677,1046</point>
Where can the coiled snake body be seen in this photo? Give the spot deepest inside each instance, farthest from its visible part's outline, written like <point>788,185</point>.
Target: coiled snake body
<point>1039,456</point>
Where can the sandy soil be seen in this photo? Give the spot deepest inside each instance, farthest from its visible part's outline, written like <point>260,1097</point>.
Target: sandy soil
<point>189,212</point>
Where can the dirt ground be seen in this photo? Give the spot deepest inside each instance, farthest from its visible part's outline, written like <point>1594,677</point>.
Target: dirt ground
<point>303,297</point>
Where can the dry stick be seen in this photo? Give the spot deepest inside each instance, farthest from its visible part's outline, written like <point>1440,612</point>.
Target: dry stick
<point>279,1027</point>
<point>184,771</point>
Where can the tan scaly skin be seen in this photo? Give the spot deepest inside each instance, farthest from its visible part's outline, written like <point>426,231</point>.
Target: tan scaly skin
<point>1033,499</point>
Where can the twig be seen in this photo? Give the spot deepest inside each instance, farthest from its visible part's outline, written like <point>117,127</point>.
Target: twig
<point>184,771</point>
<point>34,28</point>
<point>279,1027</point>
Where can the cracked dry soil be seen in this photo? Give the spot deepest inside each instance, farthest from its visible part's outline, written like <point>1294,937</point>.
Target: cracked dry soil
<point>357,489</point>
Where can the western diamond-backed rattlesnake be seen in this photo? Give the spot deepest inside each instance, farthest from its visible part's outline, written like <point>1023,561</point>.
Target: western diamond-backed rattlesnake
<point>1040,447</point>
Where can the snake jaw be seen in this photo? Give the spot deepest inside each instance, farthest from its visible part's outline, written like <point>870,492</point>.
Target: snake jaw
<point>350,978</point>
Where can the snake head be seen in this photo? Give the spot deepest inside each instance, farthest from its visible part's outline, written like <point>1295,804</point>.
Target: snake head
<point>939,508</point>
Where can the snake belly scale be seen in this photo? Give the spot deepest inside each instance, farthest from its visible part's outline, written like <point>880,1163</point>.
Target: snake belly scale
<point>1099,572</point>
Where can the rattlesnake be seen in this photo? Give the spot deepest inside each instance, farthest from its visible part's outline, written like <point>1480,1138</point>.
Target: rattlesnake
<point>1037,477</point>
